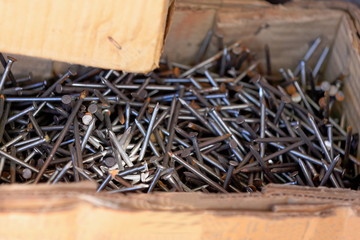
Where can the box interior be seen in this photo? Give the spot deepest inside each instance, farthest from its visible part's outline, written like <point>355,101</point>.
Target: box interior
<point>289,32</point>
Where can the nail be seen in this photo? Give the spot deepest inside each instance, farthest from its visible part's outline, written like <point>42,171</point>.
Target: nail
<point>193,137</point>
<point>205,168</point>
<point>114,89</point>
<point>319,137</point>
<point>88,133</point>
<point>329,169</point>
<point>171,128</point>
<point>131,189</point>
<point>308,54</point>
<point>33,144</point>
<point>142,130</point>
<point>232,166</point>
<point>49,90</point>
<point>109,177</point>
<point>217,118</point>
<point>206,62</point>
<point>106,113</point>
<point>307,141</point>
<point>284,100</point>
<point>77,147</point>
<point>7,71</point>
<point>262,163</point>
<point>18,161</point>
<point>148,133</point>
<point>305,172</point>
<point>120,149</point>
<point>61,137</point>
<point>198,173</point>
<point>320,62</point>
<point>20,114</point>
<point>170,179</point>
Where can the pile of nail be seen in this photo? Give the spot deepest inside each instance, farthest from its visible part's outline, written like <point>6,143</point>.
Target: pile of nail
<point>221,125</point>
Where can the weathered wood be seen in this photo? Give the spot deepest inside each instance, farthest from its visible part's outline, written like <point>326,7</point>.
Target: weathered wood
<point>74,211</point>
<point>125,35</point>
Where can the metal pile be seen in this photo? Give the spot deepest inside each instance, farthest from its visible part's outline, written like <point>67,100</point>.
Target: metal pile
<point>220,126</point>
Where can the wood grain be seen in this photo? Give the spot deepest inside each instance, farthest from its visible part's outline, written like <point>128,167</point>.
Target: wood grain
<point>75,211</point>
<point>124,35</point>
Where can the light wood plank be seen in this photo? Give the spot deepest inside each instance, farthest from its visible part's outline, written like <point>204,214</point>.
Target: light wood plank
<point>124,35</point>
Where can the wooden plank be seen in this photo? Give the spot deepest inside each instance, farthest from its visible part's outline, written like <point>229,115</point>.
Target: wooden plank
<point>125,35</point>
<point>74,211</point>
<point>85,221</point>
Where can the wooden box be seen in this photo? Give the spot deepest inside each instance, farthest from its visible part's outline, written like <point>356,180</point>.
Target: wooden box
<point>75,211</point>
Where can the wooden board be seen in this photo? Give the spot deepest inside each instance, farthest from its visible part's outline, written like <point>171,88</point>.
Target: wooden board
<point>125,35</point>
<point>74,211</point>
